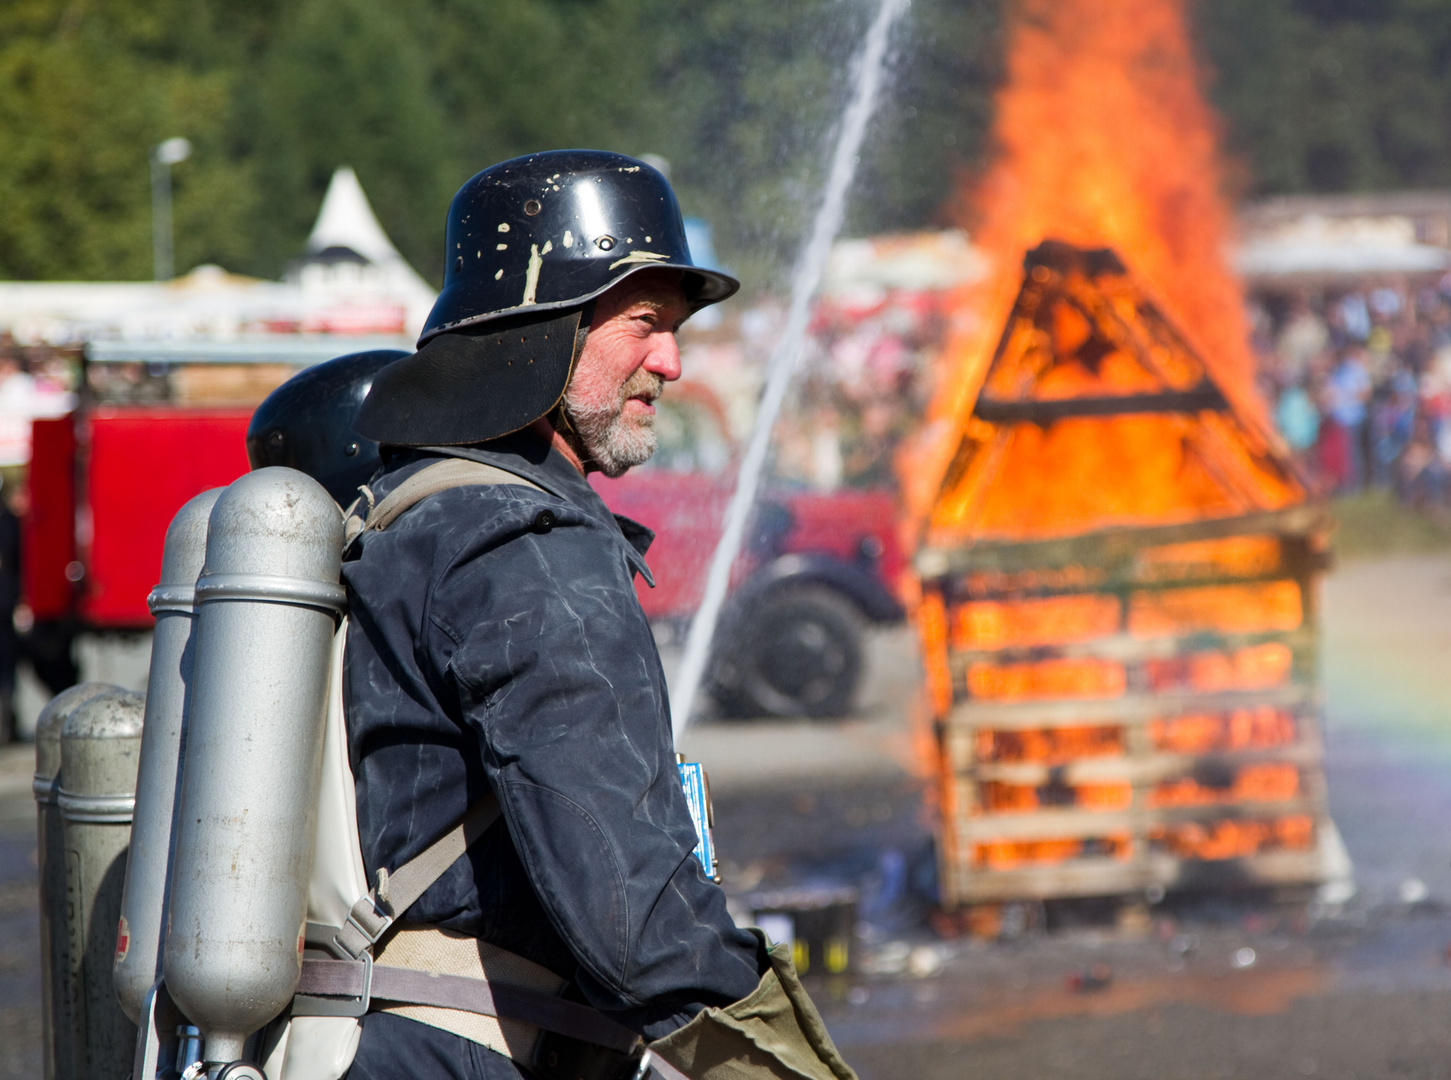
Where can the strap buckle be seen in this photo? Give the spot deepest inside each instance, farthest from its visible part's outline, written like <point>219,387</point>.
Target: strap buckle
<point>643,1069</point>
<point>367,922</point>
<point>313,1005</point>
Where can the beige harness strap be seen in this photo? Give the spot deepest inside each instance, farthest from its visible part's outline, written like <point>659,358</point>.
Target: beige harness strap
<point>440,476</point>
<point>444,952</point>
<point>373,914</point>
<point>457,969</point>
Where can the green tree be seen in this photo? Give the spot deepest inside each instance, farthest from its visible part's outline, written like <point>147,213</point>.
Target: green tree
<point>85,91</point>
<point>345,82</point>
<point>1333,95</point>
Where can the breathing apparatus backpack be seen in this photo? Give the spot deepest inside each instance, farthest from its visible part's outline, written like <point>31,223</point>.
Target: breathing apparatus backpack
<point>251,942</point>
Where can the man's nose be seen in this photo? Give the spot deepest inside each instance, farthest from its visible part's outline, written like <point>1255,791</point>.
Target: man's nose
<point>664,358</point>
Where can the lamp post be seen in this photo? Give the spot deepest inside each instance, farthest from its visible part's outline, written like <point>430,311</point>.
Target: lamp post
<point>163,156</point>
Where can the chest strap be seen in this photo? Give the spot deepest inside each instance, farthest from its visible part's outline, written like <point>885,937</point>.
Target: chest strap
<point>371,916</point>
<point>327,981</point>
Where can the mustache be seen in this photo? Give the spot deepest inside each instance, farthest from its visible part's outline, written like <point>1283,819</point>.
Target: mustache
<point>643,384</point>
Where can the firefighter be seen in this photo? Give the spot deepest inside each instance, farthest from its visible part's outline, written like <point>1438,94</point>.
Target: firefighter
<point>496,645</point>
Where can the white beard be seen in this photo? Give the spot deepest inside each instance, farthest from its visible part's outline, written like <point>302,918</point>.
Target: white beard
<point>611,441</point>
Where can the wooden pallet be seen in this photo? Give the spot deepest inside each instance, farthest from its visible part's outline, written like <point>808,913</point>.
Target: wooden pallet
<point>988,854</point>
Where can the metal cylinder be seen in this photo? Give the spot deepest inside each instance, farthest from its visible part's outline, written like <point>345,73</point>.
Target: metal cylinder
<point>267,604</point>
<point>100,749</point>
<point>143,902</point>
<point>57,993</point>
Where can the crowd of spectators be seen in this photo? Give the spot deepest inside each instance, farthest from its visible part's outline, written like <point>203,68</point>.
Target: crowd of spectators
<point>1359,381</point>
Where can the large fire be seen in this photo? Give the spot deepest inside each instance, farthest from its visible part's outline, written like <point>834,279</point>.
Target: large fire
<point>1117,595</point>
<point>1102,139</point>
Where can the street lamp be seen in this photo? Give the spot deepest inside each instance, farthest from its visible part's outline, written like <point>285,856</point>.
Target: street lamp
<point>163,156</point>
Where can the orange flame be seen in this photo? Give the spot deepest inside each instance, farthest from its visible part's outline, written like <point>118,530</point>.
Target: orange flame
<point>1009,854</point>
<point>1261,727</point>
<point>1076,677</point>
<point>1103,140</point>
<point>1051,746</point>
<point>1235,839</point>
<point>1258,667</point>
<point>1228,609</point>
<point>1265,782</point>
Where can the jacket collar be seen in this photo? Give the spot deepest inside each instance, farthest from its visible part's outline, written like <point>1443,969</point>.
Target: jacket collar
<point>525,454</point>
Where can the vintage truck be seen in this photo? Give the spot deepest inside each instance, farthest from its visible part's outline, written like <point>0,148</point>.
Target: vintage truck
<point>106,480</point>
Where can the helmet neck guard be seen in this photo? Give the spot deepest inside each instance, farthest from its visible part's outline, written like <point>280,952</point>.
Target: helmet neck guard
<point>478,384</point>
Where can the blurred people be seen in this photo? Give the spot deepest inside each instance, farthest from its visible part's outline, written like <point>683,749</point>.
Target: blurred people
<point>1346,393</point>
<point>1297,418</point>
<point>1304,337</point>
<point>1359,384</point>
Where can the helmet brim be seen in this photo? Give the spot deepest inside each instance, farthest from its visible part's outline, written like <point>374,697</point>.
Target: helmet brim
<point>702,289</point>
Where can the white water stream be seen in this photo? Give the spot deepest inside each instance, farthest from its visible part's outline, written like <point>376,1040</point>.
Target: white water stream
<point>805,280</point>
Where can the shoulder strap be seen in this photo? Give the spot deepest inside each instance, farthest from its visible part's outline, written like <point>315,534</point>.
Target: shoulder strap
<point>440,476</point>
<point>373,914</point>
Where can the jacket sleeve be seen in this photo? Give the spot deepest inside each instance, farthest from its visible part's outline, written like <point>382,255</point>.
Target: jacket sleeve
<point>555,668</point>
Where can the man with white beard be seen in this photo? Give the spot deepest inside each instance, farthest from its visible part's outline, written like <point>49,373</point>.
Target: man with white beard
<point>497,658</point>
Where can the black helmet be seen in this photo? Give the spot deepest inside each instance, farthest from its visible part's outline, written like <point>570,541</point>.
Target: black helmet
<point>549,231</point>
<point>307,423</point>
<point>530,243</point>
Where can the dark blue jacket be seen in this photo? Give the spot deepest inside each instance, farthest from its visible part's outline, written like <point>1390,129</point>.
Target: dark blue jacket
<point>496,643</point>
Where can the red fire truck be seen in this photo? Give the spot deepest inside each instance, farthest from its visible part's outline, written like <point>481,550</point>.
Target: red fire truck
<point>106,480</point>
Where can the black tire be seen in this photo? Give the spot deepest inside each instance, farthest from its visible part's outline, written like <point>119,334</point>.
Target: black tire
<point>794,652</point>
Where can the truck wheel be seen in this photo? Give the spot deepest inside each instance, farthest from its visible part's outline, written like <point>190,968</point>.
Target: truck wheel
<point>796,652</point>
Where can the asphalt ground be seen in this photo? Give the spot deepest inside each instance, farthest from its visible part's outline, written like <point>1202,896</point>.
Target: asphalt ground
<point>1206,988</point>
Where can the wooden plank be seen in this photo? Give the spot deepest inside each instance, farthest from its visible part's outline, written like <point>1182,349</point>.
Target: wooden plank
<point>1122,580</point>
<point>1072,823</point>
<point>1128,648</point>
<point>1110,877</point>
<point>1205,396</point>
<point>1153,768</point>
<point>1113,547</point>
<point>1078,877</point>
<point>1126,709</point>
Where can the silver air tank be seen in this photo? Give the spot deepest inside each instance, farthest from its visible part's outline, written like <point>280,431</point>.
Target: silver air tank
<point>267,604</point>
<point>100,747</point>
<point>143,904</point>
<point>58,994</point>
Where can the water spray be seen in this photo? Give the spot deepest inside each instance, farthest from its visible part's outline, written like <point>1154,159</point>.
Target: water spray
<point>805,280</point>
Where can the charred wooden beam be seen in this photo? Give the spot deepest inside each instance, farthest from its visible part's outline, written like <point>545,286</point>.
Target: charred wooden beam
<point>1128,580</point>
<point>1127,648</point>
<point>1111,548</point>
<point>1079,823</point>
<point>1107,876</point>
<point>1205,396</point>
<point>1127,709</point>
<point>1151,768</point>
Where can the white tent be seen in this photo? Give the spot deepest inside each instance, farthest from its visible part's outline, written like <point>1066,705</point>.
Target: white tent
<point>351,283</point>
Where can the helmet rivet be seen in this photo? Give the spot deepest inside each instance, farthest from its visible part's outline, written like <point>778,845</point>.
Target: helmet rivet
<point>458,264</point>
<point>604,243</point>
<point>532,207</point>
<point>276,440</point>
<point>352,450</point>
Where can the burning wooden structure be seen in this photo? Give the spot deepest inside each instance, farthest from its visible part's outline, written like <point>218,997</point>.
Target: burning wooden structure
<point>1118,612</point>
